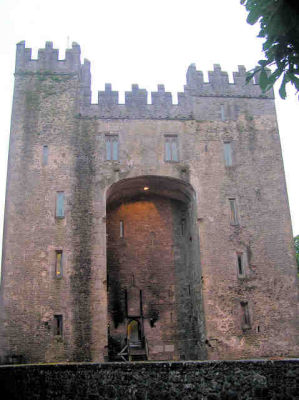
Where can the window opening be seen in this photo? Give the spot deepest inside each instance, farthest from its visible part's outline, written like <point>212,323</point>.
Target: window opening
<point>111,147</point>
<point>240,264</point>
<point>183,226</point>
<point>171,148</point>
<point>45,155</point>
<point>245,315</point>
<point>58,325</point>
<point>233,212</point>
<point>228,154</point>
<point>58,265</point>
<point>121,229</point>
<point>60,205</point>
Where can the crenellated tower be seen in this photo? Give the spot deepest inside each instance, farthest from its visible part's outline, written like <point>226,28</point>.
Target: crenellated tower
<point>144,230</point>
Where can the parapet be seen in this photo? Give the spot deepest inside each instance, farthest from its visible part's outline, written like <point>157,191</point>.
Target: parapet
<point>136,101</point>
<point>47,59</point>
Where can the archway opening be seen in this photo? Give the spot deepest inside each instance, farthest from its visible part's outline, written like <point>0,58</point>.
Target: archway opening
<point>153,268</point>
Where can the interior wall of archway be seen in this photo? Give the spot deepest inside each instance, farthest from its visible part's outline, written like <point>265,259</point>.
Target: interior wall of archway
<point>153,260</point>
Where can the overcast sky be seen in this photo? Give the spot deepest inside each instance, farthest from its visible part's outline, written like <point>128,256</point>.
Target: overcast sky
<point>144,42</point>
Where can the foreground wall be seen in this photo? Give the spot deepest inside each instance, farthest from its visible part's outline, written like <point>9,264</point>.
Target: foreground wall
<point>181,380</point>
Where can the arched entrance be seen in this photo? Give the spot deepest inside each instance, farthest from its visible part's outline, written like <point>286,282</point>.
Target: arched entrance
<point>153,269</point>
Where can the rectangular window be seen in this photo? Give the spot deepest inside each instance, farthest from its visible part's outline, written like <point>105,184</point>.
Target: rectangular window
<point>45,155</point>
<point>245,315</point>
<point>233,212</point>
<point>58,325</point>
<point>58,264</point>
<point>60,205</point>
<point>111,147</point>
<point>121,229</point>
<point>222,111</point>
<point>171,148</point>
<point>183,226</point>
<point>228,154</point>
<point>240,265</point>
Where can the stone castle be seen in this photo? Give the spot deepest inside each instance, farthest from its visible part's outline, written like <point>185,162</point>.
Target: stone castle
<point>144,231</point>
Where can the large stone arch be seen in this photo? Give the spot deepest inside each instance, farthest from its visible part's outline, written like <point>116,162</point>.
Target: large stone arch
<point>153,267</point>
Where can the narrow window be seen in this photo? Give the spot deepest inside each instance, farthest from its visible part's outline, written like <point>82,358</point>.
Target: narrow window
<point>58,327</point>
<point>228,154</point>
<point>111,147</point>
<point>58,264</point>
<point>45,155</point>
<point>245,315</point>
<point>240,264</point>
<point>183,226</point>
<point>121,229</point>
<point>171,148</point>
<point>233,212</point>
<point>222,111</point>
<point>60,205</point>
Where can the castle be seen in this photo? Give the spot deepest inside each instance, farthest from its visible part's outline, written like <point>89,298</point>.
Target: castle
<point>144,231</point>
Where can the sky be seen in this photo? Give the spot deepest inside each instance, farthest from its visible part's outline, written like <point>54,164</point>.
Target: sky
<point>144,42</point>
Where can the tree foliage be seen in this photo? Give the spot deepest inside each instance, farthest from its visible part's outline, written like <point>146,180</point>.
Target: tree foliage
<point>279,25</point>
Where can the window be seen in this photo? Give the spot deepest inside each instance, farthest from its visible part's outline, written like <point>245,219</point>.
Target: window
<point>228,154</point>
<point>45,155</point>
<point>222,111</point>
<point>58,264</point>
<point>233,212</point>
<point>121,229</point>
<point>171,148</point>
<point>58,326</point>
<point>60,205</point>
<point>183,226</point>
<point>245,315</point>
<point>240,265</point>
<point>111,147</point>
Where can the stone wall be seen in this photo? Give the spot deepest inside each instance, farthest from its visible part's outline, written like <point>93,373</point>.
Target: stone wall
<point>233,380</point>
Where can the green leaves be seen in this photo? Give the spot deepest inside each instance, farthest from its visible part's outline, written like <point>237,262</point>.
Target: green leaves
<point>279,25</point>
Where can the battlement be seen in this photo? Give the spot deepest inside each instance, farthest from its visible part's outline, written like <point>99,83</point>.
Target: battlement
<point>47,59</point>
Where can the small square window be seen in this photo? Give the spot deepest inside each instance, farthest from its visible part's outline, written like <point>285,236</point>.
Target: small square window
<point>111,147</point>
<point>59,264</point>
<point>171,148</point>
<point>60,205</point>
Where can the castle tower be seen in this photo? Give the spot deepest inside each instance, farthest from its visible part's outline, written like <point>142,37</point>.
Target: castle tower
<point>144,231</point>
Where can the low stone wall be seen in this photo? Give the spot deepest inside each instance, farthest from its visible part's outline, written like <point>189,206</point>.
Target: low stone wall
<point>227,380</point>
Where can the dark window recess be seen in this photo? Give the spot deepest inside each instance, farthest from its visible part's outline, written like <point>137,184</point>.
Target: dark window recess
<point>111,147</point>
<point>228,154</point>
<point>45,155</point>
<point>58,264</point>
<point>183,226</point>
<point>121,229</point>
<point>240,264</point>
<point>58,326</point>
<point>233,212</point>
<point>171,148</point>
<point>60,205</point>
<point>245,315</point>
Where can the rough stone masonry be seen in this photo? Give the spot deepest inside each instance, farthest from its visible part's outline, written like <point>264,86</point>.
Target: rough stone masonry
<point>144,231</point>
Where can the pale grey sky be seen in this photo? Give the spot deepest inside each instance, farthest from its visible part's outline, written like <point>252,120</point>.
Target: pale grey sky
<point>144,42</point>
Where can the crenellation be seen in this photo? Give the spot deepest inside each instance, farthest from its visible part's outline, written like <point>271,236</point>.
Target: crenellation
<point>137,97</point>
<point>161,98</point>
<point>107,97</point>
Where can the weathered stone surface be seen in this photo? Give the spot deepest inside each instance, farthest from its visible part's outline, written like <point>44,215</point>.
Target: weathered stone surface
<point>185,380</point>
<point>52,107</point>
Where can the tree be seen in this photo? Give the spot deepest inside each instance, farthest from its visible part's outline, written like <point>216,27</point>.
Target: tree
<point>296,242</point>
<point>279,25</point>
